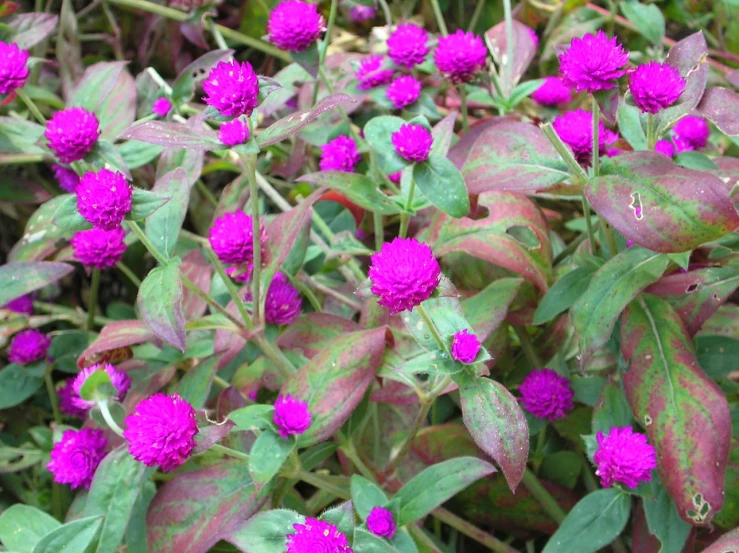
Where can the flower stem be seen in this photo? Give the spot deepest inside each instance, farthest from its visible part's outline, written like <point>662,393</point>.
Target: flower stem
<point>539,453</point>
<point>528,347</point>
<point>588,224</point>
<point>508,67</point>
<point>405,217</point>
<point>463,100</point>
<point>651,132</point>
<point>126,270</point>
<point>52,393</point>
<point>439,17</point>
<point>548,503</point>
<point>471,531</point>
<point>250,164</point>
<point>228,451</point>
<point>596,138</point>
<point>232,290</point>
<point>30,104</point>
<point>426,318</point>
<point>476,15</point>
<point>379,230</point>
<point>213,28</point>
<point>105,411</point>
<point>92,305</point>
<point>321,483</point>
<point>577,173</point>
<point>324,44</point>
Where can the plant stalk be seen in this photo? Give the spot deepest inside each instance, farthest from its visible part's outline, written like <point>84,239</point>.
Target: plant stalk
<point>463,101</point>
<point>31,105</point>
<point>651,132</point>
<point>508,68</point>
<point>52,393</point>
<point>92,305</point>
<point>105,411</point>
<point>405,217</point>
<point>548,503</point>
<point>228,451</point>
<point>439,17</point>
<point>596,138</point>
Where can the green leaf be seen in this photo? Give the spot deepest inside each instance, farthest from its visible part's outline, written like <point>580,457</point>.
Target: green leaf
<point>665,523</point>
<point>612,409</point>
<point>434,485</point>
<point>135,538</point>
<point>163,225</point>
<point>595,522</point>
<point>160,304</point>
<point>648,20</point>
<point>265,532</point>
<point>308,59</point>
<point>252,417</point>
<point>565,292</point>
<point>66,347</point>
<point>342,517</point>
<point>357,188</point>
<point>366,542</point>
<point>562,467</point>
<point>630,126</point>
<point>430,362</point>
<point>378,132</point>
<point>587,388</point>
<point>195,72</point>
<point>72,537</point>
<point>695,160</point>
<point>717,355</point>
<point>443,185</point>
<point>96,84</point>
<point>524,90</point>
<point>22,526</point>
<point>366,495</point>
<point>97,386</point>
<point>195,385</point>
<point>66,216</point>
<point>144,203</point>
<point>135,153</point>
<point>267,455</point>
<point>18,383</point>
<point>486,310</point>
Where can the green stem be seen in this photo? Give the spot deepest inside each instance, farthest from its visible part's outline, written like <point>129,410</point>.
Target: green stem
<point>213,28</point>
<point>250,164</point>
<point>220,382</point>
<point>426,318</point>
<point>651,132</point>
<point>105,411</point>
<point>205,191</point>
<point>508,67</point>
<point>228,451</point>
<point>548,503</point>
<point>351,453</point>
<point>52,393</point>
<point>588,224</point>
<point>405,217</point>
<point>528,347</point>
<point>316,481</point>
<point>92,305</point>
<point>308,293</point>
<point>472,531</point>
<point>324,44</point>
<point>463,100</point>
<point>572,246</point>
<point>610,238</point>
<point>18,159</point>
<point>439,17</point>
<point>379,230</point>
<point>30,104</point>
<point>596,139</point>
<point>231,287</point>
<point>476,15</point>
<point>388,15</point>
<point>577,173</point>
<point>329,234</point>
<point>134,226</point>
<point>539,453</point>
<point>129,273</point>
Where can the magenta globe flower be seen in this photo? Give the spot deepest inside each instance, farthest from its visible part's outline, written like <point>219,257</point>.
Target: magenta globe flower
<point>22,305</point>
<point>75,458</point>
<point>552,92</point>
<point>465,346</point>
<point>692,132</point>
<point>340,154</point>
<point>655,86</point>
<point>234,132</point>
<point>120,381</point>
<point>13,70</point>
<point>380,522</point>
<point>291,416</point>
<point>315,536</point>
<point>28,346</point>
<point>99,249</point>
<point>403,273</point>
<point>408,45</point>
<point>412,142</point>
<point>283,304</point>
<point>404,91</point>
<point>161,431</point>
<point>295,25</point>
<point>66,177</point>
<point>460,56</point>
<point>72,133</point>
<point>104,198</point>
<point>232,239</point>
<point>362,14</point>
<point>593,63</point>
<point>232,88</point>
<point>624,456</point>
<point>66,395</point>
<point>370,73</point>
<point>665,147</point>
<point>547,395</point>
<point>575,128</point>
<point>161,107</point>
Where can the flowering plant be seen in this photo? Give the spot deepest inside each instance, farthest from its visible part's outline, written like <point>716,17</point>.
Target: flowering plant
<point>346,276</point>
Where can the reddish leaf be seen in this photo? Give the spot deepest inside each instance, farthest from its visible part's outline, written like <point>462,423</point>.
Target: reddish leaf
<point>685,414</point>
<point>524,50</point>
<point>311,332</point>
<point>196,268</point>
<point>22,277</point>
<point>459,152</point>
<point>145,382</point>
<point>721,106</point>
<point>728,543</point>
<point>98,81</point>
<point>31,28</point>
<point>211,434</point>
<point>486,310</point>
<point>115,338</point>
<point>174,135</point>
<point>118,110</point>
<point>160,304</point>
<point>641,540</point>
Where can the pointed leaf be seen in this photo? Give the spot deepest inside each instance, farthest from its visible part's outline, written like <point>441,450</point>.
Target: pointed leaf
<point>18,383</point>
<point>22,277</point>
<point>443,185</point>
<point>144,203</point>
<point>366,542</point>
<point>160,304</point>
<point>31,28</point>
<point>487,309</point>
<point>665,523</point>
<point>73,537</point>
<point>357,188</point>
<point>163,225</point>
<point>565,292</point>
<point>174,135</point>
<point>266,532</point>
<point>67,217</point>
<point>267,455</point>
<point>524,50</point>
<point>22,526</point>
<point>725,544</point>
<point>114,338</point>
<point>366,495</point>
<point>721,106</point>
<point>96,84</point>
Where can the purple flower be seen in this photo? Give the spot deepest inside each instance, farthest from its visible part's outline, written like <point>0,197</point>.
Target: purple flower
<point>534,37</point>
<point>413,142</point>
<point>120,381</point>
<point>575,128</point>
<point>66,177</point>
<point>593,63</point>
<point>22,305</point>
<point>72,133</point>
<point>547,395</point>
<point>465,347</point>
<point>371,74</point>
<point>315,536</point>
<point>232,88</point>
<point>161,431</point>
<point>28,346</point>
<point>99,249</point>
<point>460,56</point>
<point>291,416</point>
<point>624,456</point>
<point>66,395</point>
<point>234,132</point>
<point>294,25</point>
<point>395,177</point>
<point>380,522</point>
<point>161,107</point>
<point>403,273</point>
<point>552,92</point>
<point>655,86</point>
<point>239,274</point>
<point>232,239</point>
<point>361,14</point>
<point>75,458</point>
<point>340,154</point>
<point>13,70</point>
<point>283,303</point>
<point>665,147</point>
<point>407,45</point>
<point>104,198</point>
<point>681,145</point>
<point>404,91</point>
<point>693,131</point>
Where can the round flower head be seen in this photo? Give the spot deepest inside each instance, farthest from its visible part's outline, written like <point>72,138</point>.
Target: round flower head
<point>575,128</point>
<point>395,177</point>
<point>161,107</point>
<point>240,273</point>
<point>340,154</point>
<point>28,346</point>
<point>232,239</point>
<point>72,133</point>
<point>13,70</point>
<point>291,416</point>
<point>316,536</point>
<point>624,456</point>
<point>161,431</point>
<point>694,131</point>
<point>465,347</point>
<point>234,132</point>
<point>283,303</point>
<point>120,381</point>
<point>66,177</point>
<point>294,25</point>
<point>66,396</point>
<point>665,147</point>
<point>361,14</point>
<point>99,249</point>
<point>460,56</point>
<point>412,142</point>
<point>655,86</point>
<point>380,522</point>
<point>547,395</point>
<point>552,92</point>
<point>593,63</point>
<point>22,305</point>
<point>371,74</point>
<point>404,91</point>
<point>232,88</point>
<point>104,198</point>
<point>75,458</point>
<point>407,45</point>
<point>404,273</point>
